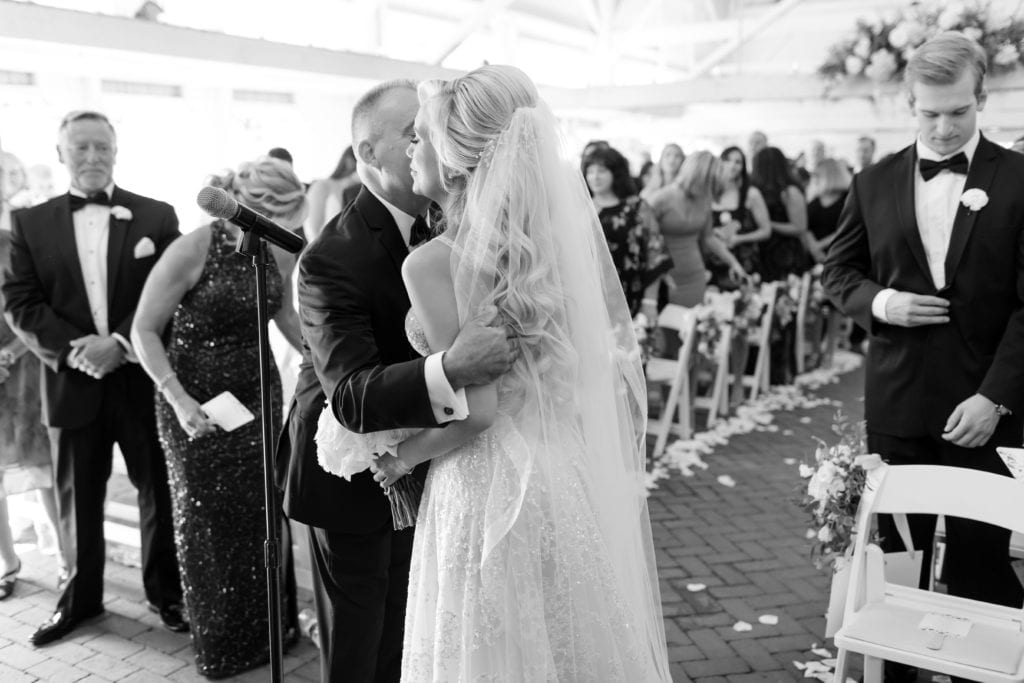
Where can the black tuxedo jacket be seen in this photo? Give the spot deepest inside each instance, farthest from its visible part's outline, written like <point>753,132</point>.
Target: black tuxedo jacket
<point>47,305</point>
<point>352,306</point>
<point>916,376</point>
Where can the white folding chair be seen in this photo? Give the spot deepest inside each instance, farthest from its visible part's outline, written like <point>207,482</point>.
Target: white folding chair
<point>676,416</point>
<point>716,401</point>
<point>802,346</point>
<point>758,340</point>
<point>882,619</point>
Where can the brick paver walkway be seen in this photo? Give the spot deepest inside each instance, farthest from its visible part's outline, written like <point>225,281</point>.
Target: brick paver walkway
<point>744,543</point>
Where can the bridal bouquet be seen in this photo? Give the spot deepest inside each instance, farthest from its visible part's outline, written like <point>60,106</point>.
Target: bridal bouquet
<point>343,453</point>
<point>836,482</point>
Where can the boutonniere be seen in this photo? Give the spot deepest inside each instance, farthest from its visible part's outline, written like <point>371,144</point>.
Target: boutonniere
<point>121,213</point>
<point>974,199</point>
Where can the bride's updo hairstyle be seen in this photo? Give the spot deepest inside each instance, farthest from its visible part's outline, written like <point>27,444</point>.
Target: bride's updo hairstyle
<point>465,116</point>
<point>269,186</point>
<point>485,130</point>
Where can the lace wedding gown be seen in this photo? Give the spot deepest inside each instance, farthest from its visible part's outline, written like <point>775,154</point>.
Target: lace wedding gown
<point>503,597</point>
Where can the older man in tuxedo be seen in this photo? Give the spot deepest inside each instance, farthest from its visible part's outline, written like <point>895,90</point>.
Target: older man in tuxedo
<point>353,304</point>
<point>929,257</point>
<point>77,266</point>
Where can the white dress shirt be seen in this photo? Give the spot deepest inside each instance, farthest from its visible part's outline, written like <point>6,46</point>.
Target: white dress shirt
<point>935,206</point>
<point>448,405</point>
<point>92,235</point>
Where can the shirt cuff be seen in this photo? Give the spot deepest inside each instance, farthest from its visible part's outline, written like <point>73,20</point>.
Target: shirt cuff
<point>879,302</point>
<point>129,350</point>
<point>448,405</point>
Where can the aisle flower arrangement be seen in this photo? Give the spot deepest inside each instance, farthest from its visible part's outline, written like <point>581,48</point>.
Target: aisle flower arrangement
<point>835,484</point>
<point>879,49</point>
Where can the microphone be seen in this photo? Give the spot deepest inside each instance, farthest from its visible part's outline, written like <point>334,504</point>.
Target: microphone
<point>220,204</point>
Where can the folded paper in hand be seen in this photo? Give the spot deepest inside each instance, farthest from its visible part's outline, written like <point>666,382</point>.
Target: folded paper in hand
<point>1014,459</point>
<point>227,411</point>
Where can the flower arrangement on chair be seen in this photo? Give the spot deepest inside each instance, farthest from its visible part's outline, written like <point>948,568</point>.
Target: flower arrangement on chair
<point>880,49</point>
<point>835,484</point>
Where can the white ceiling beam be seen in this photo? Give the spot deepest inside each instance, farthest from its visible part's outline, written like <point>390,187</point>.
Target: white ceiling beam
<point>469,26</point>
<point>724,51</point>
<point>589,10</point>
<point>25,21</point>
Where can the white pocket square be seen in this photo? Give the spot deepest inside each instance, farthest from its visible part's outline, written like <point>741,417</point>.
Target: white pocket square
<point>144,248</point>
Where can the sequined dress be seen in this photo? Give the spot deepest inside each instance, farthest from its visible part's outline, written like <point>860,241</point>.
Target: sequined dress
<point>535,603</point>
<point>217,480</point>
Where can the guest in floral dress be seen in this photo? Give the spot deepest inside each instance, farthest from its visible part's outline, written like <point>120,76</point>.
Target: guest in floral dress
<point>637,247</point>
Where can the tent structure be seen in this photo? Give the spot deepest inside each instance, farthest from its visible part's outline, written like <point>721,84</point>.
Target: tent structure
<point>223,81</point>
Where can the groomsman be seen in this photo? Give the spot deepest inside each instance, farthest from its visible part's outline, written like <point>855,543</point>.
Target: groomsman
<point>78,263</point>
<point>929,258</point>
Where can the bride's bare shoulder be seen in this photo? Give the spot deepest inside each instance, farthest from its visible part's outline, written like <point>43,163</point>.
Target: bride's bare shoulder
<point>429,261</point>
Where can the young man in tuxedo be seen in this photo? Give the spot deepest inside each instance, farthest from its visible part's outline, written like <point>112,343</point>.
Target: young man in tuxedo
<point>929,257</point>
<point>77,266</point>
<point>352,305</point>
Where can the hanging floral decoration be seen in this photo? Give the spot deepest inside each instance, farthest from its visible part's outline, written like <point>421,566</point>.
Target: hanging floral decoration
<point>879,49</point>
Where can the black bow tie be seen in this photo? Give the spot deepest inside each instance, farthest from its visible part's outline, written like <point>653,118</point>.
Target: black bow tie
<point>77,202</point>
<point>956,163</point>
<point>420,231</point>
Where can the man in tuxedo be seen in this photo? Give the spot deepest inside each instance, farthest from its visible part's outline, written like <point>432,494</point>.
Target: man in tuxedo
<point>77,266</point>
<point>352,305</point>
<point>929,258</point>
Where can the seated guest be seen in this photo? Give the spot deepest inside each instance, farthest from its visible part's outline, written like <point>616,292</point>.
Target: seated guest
<point>207,294</point>
<point>637,248</point>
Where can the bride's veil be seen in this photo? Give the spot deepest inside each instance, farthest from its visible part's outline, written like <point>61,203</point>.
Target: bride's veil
<point>528,240</point>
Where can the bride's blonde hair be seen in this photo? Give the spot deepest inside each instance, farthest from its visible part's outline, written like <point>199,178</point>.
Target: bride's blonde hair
<point>465,119</point>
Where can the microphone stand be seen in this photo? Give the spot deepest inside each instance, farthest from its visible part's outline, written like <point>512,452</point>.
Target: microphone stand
<point>250,244</point>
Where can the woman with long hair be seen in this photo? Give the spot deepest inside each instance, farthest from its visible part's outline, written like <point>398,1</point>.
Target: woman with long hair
<point>684,214</point>
<point>786,251</point>
<point>328,196</point>
<point>740,218</point>
<point>634,240</point>
<point>533,560</point>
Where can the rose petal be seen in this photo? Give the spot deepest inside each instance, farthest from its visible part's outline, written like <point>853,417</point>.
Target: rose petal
<point>742,626</point>
<point>805,420</point>
<point>821,652</point>
<point>726,480</point>
<point>768,619</point>
<point>695,587</point>
<point>789,461</point>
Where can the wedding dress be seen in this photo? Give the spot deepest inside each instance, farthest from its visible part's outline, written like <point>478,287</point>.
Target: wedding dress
<point>533,558</point>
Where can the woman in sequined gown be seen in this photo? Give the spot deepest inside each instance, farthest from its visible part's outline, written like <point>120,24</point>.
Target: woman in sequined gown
<point>207,293</point>
<point>533,558</point>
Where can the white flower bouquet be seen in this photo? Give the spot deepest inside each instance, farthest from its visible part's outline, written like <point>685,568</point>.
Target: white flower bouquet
<point>344,453</point>
<point>836,482</point>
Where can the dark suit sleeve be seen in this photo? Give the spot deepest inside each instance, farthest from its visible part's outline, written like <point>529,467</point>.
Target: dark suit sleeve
<point>167,233</point>
<point>846,277</point>
<point>43,330</point>
<point>365,394</point>
<point>1004,381</point>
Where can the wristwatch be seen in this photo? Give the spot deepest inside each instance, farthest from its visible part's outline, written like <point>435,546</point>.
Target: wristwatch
<point>1002,410</point>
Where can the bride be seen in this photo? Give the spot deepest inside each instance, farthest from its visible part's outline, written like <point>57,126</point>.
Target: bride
<point>533,560</point>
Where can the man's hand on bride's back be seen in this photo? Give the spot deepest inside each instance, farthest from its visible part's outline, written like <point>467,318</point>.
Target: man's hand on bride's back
<point>481,353</point>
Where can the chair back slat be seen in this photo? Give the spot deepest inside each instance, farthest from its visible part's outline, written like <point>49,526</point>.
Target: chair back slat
<point>954,492</point>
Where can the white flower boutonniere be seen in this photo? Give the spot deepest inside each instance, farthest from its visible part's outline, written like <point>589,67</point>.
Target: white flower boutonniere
<point>974,199</point>
<point>121,213</point>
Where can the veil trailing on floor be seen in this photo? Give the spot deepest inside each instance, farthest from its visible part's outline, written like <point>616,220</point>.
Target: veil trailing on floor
<point>529,242</point>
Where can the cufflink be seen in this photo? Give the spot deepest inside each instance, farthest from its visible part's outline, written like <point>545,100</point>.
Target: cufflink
<point>448,411</point>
